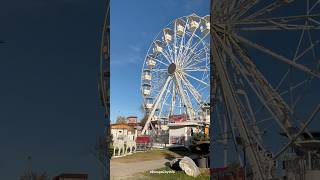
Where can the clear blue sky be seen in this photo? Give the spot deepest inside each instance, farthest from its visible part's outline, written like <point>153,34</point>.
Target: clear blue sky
<point>134,24</point>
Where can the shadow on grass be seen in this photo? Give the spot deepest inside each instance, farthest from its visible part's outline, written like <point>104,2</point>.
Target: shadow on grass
<point>169,156</point>
<point>181,150</point>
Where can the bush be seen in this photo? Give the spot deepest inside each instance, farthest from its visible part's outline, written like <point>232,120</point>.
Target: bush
<point>200,137</point>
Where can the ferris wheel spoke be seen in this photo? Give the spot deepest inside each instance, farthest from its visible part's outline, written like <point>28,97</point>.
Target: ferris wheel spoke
<point>195,69</point>
<point>166,55</point>
<point>261,81</point>
<point>262,121</point>
<point>196,64</point>
<point>312,44</point>
<point>284,93</point>
<point>187,45</point>
<point>298,99</point>
<point>181,46</point>
<point>305,17</point>
<point>200,89</point>
<point>184,73</point>
<point>299,43</point>
<point>159,70</point>
<point>280,27</point>
<point>309,120</point>
<point>274,25</point>
<point>314,5</point>
<point>195,56</point>
<point>243,7</point>
<point>188,99</point>
<point>281,23</point>
<point>232,5</point>
<point>204,77</point>
<point>267,9</point>
<point>311,47</point>
<point>165,97</point>
<point>184,55</point>
<point>291,88</point>
<point>170,52</point>
<point>159,61</point>
<point>186,102</point>
<point>296,57</point>
<point>173,99</point>
<point>274,20</point>
<point>314,21</point>
<point>175,40</point>
<point>279,57</point>
<point>193,91</point>
<point>158,84</point>
<point>193,48</point>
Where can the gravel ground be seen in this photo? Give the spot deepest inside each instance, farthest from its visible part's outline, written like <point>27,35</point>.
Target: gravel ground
<point>132,170</point>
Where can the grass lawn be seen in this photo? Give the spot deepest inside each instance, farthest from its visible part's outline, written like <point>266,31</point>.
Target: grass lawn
<point>150,155</point>
<point>147,156</point>
<point>178,175</point>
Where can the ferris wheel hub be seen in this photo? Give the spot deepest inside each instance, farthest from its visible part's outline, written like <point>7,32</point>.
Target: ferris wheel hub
<point>172,68</point>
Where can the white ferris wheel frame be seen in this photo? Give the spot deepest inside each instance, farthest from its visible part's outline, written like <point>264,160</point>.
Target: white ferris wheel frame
<point>190,55</point>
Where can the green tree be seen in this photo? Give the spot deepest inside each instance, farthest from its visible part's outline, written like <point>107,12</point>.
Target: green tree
<point>121,120</point>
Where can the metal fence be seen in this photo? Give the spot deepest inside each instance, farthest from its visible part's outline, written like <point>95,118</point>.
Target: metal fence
<point>160,138</point>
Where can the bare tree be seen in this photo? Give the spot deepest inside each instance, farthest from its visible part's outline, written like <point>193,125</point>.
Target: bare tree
<point>31,175</point>
<point>144,119</point>
<point>145,115</point>
<point>121,120</point>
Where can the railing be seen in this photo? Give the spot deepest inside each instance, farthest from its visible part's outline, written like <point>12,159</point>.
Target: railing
<point>296,167</point>
<point>299,166</point>
<point>315,164</point>
<point>178,140</point>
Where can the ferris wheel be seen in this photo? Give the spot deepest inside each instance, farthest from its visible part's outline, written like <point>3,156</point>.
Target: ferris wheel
<point>175,75</point>
<point>266,79</point>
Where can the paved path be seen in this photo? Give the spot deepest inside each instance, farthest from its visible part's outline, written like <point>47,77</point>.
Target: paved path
<point>121,170</point>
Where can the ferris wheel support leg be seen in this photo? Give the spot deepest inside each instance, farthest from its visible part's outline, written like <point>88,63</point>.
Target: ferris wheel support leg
<point>184,99</point>
<point>155,105</point>
<point>173,99</point>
